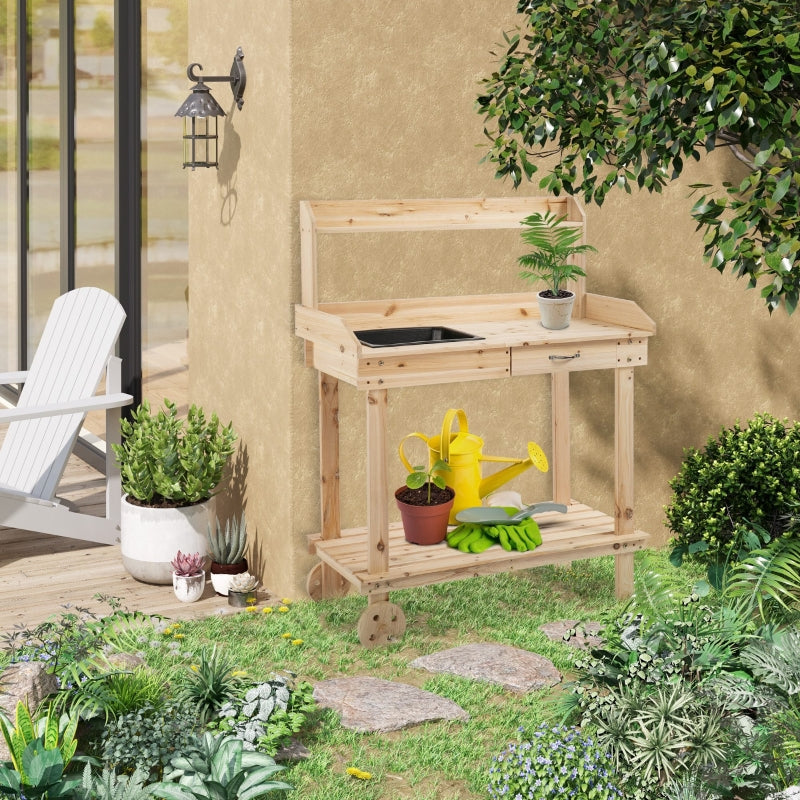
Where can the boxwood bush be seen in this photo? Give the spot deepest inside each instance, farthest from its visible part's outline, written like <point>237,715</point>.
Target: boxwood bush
<point>736,494</point>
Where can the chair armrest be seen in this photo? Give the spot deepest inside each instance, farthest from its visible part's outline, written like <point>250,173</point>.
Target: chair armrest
<point>95,403</point>
<point>12,377</point>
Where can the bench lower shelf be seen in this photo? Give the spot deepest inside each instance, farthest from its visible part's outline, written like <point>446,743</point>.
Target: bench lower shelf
<point>582,532</point>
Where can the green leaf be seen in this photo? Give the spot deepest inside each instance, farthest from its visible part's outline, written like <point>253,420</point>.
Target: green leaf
<point>676,556</point>
<point>773,81</point>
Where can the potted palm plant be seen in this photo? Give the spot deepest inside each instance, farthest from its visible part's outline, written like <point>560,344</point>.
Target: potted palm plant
<point>554,245</point>
<point>170,468</point>
<point>425,502</point>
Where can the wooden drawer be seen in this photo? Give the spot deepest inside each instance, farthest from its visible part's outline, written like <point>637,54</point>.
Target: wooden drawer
<point>527,360</point>
<point>421,368</point>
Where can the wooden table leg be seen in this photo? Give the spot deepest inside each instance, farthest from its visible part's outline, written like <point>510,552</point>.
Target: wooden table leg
<point>561,437</point>
<point>623,475</point>
<point>330,582</point>
<point>377,487</point>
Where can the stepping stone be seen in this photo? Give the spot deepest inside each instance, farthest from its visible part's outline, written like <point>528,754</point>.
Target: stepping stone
<point>372,705</point>
<point>514,669</point>
<point>792,793</point>
<point>583,639</point>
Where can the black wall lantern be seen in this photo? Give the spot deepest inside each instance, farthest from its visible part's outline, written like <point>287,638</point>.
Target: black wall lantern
<point>200,111</point>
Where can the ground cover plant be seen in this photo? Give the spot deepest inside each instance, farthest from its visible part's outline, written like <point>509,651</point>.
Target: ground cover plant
<point>229,677</point>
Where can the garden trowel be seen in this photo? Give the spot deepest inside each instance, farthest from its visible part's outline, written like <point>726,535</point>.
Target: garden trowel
<point>482,515</point>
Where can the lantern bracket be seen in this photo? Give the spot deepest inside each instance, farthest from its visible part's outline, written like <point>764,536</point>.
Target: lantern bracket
<point>237,78</point>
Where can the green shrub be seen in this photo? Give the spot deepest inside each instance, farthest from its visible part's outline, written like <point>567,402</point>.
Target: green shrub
<point>268,714</point>
<point>735,495</point>
<point>149,737</point>
<point>557,762</point>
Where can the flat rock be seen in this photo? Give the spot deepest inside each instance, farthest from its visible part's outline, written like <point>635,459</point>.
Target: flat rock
<point>25,681</point>
<point>292,751</point>
<point>372,705</point>
<point>584,638</point>
<point>514,669</point>
<point>792,793</point>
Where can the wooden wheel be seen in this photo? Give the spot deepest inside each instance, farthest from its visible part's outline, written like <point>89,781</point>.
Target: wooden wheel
<point>316,586</point>
<point>380,624</point>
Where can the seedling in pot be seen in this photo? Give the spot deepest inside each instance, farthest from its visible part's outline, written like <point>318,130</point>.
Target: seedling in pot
<point>420,476</point>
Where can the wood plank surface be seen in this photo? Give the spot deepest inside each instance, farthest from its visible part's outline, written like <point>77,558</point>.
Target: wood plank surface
<point>39,574</point>
<point>344,216</point>
<point>582,533</point>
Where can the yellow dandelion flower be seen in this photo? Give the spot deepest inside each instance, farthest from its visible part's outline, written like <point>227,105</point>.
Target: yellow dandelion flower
<point>297,641</point>
<point>251,609</point>
<point>176,624</point>
<point>266,610</point>
<point>286,635</point>
<point>167,631</point>
<point>283,609</point>
<point>194,668</point>
<point>287,601</point>
<point>359,773</point>
<point>178,636</point>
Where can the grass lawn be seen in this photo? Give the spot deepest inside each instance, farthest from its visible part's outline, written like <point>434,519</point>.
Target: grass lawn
<point>438,760</point>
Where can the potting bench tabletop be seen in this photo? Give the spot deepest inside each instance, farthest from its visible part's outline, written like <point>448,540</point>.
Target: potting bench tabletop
<point>606,333</point>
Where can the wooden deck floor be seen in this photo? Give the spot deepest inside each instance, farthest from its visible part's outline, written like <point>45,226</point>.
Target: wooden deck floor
<point>40,573</point>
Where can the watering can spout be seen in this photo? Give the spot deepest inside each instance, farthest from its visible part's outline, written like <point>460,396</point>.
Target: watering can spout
<point>491,483</point>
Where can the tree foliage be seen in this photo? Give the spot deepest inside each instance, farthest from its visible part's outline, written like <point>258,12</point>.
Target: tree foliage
<point>624,92</point>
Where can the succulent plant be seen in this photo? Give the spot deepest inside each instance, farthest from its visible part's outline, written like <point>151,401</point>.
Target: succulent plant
<point>244,582</point>
<point>228,547</point>
<point>187,565</point>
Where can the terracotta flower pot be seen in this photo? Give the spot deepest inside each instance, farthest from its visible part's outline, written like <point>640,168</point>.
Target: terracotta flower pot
<point>425,524</point>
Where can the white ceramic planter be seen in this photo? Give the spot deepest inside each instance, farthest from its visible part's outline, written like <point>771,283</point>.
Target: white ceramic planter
<point>151,537</point>
<point>189,588</point>
<point>223,574</point>
<point>555,312</point>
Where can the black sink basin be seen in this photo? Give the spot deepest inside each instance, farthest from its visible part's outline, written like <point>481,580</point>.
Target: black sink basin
<point>394,337</point>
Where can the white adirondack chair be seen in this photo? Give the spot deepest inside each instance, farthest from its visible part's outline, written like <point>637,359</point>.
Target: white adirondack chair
<point>75,351</point>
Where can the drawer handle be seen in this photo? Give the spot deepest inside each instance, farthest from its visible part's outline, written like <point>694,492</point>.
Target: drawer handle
<point>565,358</point>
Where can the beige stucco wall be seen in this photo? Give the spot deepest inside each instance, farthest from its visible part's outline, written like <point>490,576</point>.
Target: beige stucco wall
<point>368,100</point>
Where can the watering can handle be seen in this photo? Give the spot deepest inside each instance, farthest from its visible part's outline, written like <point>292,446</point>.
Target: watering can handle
<point>447,424</point>
<point>406,462</point>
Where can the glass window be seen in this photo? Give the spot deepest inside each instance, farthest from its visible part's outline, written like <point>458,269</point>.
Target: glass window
<point>165,211</point>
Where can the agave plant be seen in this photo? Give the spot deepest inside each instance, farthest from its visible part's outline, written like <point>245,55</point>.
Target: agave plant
<point>228,547</point>
<point>223,770</point>
<point>209,683</point>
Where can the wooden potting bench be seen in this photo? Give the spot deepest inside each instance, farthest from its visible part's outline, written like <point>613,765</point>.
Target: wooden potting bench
<point>605,333</point>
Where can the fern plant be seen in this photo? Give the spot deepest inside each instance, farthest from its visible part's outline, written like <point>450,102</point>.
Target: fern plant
<point>769,575</point>
<point>112,786</point>
<point>554,245</point>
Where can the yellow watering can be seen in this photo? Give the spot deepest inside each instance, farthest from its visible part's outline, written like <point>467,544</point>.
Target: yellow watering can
<point>462,452</point>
